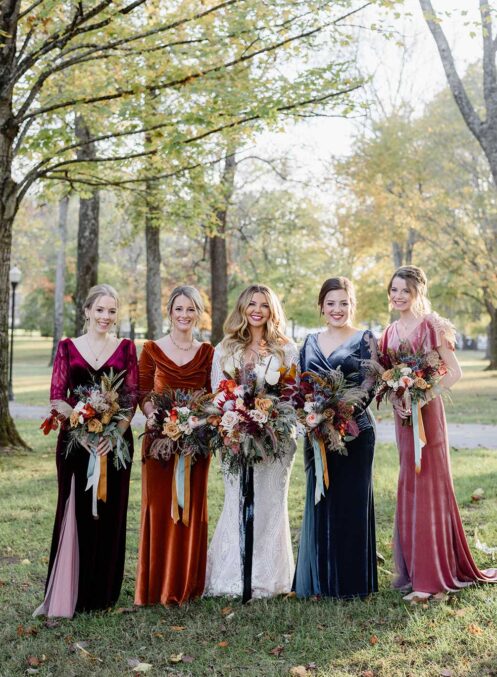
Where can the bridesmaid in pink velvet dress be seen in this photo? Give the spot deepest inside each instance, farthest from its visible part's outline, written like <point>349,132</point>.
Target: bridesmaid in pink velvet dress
<point>86,563</point>
<point>430,547</point>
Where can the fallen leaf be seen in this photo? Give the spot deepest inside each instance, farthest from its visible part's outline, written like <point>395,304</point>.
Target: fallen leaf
<point>142,667</point>
<point>51,623</point>
<point>157,634</point>
<point>126,610</point>
<point>178,628</point>
<point>230,616</point>
<point>290,595</point>
<point>187,659</point>
<point>133,662</point>
<point>298,671</point>
<point>33,661</point>
<point>25,561</point>
<point>225,611</point>
<point>311,666</point>
<point>367,673</point>
<point>223,644</point>
<point>78,646</point>
<point>440,597</point>
<point>2,583</point>
<point>373,640</point>
<point>277,650</point>
<point>446,673</point>
<point>474,629</point>
<point>175,658</point>
<point>319,626</point>
<point>477,495</point>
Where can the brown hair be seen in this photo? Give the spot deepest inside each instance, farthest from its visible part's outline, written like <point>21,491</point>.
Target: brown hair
<point>334,283</point>
<point>417,283</point>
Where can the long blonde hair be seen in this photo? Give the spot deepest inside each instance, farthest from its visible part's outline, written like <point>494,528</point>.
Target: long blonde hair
<point>94,294</point>
<point>417,283</point>
<point>237,334</point>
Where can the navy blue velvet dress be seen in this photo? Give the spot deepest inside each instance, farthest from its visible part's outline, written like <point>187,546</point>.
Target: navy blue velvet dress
<point>337,552</point>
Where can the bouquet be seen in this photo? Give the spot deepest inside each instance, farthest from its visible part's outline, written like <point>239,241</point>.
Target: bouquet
<point>253,421</point>
<point>410,378</point>
<point>178,427</point>
<point>96,415</point>
<point>327,415</point>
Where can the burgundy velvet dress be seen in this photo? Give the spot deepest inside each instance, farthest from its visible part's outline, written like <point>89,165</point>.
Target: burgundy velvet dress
<point>430,547</point>
<point>172,556</point>
<point>87,560</point>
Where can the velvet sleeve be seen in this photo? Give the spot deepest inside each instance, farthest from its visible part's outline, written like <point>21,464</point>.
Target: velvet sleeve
<point>131,378</point>
<point>146,375</point>
<point>368,353</point>
<point>302,360</point>
<point>60,374</point>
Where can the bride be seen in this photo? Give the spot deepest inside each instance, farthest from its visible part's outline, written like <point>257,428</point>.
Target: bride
<point>254,334</point>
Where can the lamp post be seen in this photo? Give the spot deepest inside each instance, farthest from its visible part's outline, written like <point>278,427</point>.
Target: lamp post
<point>14,277</point>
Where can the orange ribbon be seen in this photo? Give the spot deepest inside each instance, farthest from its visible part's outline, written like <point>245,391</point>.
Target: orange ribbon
<point>326,477</point>
<point>102,480</point>
<point>185,518</point>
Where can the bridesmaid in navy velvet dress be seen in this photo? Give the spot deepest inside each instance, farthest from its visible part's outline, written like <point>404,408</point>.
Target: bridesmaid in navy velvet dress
<point>86,563</point>
<point>337,553</point>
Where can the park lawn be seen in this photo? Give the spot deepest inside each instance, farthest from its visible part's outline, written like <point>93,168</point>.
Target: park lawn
<point>473,399</point>
<point>382,636</point>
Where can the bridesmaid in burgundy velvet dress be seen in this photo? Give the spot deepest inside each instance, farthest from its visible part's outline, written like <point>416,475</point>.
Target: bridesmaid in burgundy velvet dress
<point>86,563</point>
<point>430,547</point>
<point>172,555</point>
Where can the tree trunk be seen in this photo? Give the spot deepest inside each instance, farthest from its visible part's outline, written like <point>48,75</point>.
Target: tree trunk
<point>60,273</point>
<point>88,231</point>
<point>154,286</point>
<point>9,437</point>
<point>492,338</point>
<point>219,256</point>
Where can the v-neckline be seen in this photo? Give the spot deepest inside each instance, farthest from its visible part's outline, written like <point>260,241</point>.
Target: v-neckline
<point>178,366</point>
<point>89,363</point>
<point>409,334</point>
<point>340,345</point>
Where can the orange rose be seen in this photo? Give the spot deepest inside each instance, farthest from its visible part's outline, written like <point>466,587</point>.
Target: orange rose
<point>172,430</point>
<point>95,426</point>
<point>264,404</point>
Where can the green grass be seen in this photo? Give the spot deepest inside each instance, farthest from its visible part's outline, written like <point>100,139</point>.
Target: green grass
<point>381,636</point>
<point>473,399</point>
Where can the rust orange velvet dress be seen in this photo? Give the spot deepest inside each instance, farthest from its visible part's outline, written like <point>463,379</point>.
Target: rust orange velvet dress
<point>172,557</point>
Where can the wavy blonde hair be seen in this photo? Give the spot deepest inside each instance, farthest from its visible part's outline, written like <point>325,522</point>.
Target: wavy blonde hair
<point>237,334</point>
<point>417,283</point>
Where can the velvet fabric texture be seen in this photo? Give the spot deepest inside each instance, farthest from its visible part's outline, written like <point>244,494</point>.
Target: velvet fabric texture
<point>101,542</point>
<point>430,546</point>
<point>172,557</point>
<point>337,552</point>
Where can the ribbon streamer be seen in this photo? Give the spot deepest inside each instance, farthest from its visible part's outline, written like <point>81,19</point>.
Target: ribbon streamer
<point>93,478</point>
<point>181,489</point>
<point>419,434</point>
<point>320,467</point>
<point>102,483</point>
<point>246,526</point>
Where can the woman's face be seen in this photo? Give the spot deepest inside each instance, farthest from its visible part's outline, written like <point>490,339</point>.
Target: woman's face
<point>183,314</point>
<point>258,311</point>
<point>102,315</point>
<point>337,309</point>
<point>401,297</point>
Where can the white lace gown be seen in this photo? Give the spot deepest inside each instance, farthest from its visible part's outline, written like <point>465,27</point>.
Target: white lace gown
<point>272,562</point>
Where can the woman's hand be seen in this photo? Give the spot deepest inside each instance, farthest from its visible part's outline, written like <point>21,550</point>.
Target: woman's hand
<point>104,446</point>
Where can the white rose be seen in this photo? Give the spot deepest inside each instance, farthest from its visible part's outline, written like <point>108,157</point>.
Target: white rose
<point>229,420</point>
<point>239,403</point>
<point>406,382</point>
<point>185,428</point>
<point>258,416</point>
<point>308,407</point>
<point>405,371</point>
<point>183,411</point>
<point>313,419</point>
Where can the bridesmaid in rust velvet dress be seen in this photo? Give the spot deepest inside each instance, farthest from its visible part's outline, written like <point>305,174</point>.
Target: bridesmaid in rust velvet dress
<point>86,563</point>
<point>172,556</point>
<point>430,547</point>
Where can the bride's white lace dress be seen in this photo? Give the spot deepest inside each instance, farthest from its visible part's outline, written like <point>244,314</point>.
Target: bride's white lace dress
<point>272,563</point>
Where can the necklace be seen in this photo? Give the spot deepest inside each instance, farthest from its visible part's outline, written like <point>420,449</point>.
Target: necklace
<point>186,350</point>
<point>95,356</point>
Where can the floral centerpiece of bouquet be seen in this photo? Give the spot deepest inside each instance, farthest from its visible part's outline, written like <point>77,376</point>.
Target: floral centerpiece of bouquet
<point>96,415</point>
<point>327,414</point>
<point>410,378</point>
<point>252,415</point>
<point>178,427</point>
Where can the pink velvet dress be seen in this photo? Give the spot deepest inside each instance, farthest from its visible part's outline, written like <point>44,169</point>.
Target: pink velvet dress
<point>430,547</point>
<point>86,565</point>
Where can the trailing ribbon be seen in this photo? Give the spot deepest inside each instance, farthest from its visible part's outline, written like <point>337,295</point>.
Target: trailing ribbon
<point>181,488</point>
<point>93,477</point>
<point>320,468</point>
<point>418,432</point>
<point>102,483</point>
<point>246,526</point>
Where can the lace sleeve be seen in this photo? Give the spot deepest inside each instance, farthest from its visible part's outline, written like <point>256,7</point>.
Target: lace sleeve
<point>60,374</point>
<point>216,371</point>
<point>291,354</point>
<point>441,330</point>
<point>131,379</point>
